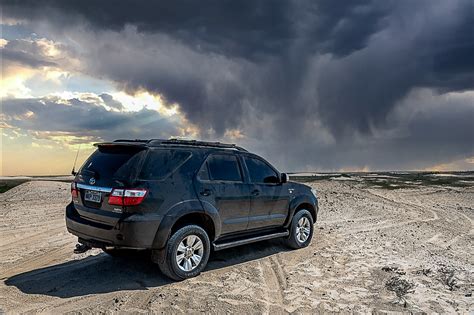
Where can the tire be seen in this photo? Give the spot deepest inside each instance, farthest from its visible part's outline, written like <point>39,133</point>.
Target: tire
<point>178,260</point>
<point>300,238</point>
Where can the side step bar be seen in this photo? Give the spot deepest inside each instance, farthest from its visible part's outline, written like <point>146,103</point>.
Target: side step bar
<point>250,240</point>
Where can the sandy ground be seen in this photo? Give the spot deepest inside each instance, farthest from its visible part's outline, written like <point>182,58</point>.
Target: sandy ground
<point>374,250</point>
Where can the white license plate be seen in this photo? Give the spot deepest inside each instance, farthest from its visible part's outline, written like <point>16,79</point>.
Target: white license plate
<point>93,196</point>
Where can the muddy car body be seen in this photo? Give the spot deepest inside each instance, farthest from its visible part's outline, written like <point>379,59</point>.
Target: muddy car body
<point>181,199</point>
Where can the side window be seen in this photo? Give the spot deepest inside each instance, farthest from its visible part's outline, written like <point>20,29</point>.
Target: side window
<point>224,167</point>
<point>160,163</point>
<point>260,172</point>
<point>203,173</point>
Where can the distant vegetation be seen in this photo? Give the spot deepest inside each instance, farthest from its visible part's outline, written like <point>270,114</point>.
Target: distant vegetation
<point>10,183</point>
<point>385,180</point>
<point>394,180</point>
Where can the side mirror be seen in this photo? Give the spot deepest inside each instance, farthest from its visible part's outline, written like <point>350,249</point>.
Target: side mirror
<point>284,178</point>
<point>271,180</point>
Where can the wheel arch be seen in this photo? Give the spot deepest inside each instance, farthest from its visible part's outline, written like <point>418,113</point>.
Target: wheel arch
<point>196,218</point>
<point>303,202</point>
<point>188,212</point>
<point>309,207</point>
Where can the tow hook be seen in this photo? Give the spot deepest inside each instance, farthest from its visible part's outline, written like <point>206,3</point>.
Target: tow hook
<point>81,248</point>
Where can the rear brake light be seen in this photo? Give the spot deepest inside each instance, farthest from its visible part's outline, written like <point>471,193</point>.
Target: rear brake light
<point>74,190</point>
<point>127,197</point>
<point>116,197</point>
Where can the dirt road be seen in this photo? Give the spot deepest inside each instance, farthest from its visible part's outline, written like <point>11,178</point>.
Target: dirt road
<point>373,250</point>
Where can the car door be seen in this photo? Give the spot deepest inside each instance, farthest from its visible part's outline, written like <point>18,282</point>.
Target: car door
<point>269,198</point>
<point>220,183</point>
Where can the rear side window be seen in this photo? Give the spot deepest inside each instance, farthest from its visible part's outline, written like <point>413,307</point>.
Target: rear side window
<point>161,163</point>
<point>224,167</point>
<point>260,172</point>
<point>203,173</point>
<point>108,163</point>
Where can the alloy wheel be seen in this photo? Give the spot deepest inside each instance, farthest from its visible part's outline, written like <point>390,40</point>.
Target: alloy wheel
<point>189,253</point>
<point>303,229</point>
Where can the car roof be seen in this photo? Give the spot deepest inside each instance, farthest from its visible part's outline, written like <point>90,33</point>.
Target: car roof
<point>214,147</point>
<point>173,143</point>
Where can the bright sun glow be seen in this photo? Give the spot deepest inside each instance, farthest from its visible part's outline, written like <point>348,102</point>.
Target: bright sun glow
<point>144,99</point>
<point>3,42</point>
<point>14,86</point>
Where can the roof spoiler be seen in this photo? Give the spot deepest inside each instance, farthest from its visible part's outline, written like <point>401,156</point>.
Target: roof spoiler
<point>121,144</point>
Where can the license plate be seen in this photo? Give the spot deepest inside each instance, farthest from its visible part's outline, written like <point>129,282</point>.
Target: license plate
<point>93,196</point>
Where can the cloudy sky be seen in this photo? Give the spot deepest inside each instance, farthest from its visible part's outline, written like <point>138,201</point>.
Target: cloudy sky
<point>311,85</point>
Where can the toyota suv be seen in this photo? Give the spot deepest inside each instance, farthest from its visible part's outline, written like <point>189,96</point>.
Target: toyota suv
<point>182,199</point>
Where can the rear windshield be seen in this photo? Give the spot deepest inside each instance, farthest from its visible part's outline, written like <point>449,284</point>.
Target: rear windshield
<point>160,163</point>
<point>109,163</point>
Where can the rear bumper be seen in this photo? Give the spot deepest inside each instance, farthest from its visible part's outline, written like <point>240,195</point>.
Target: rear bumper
<point>135,231</point>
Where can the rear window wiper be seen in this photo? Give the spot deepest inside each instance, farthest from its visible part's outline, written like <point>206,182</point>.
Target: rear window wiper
<point>92,173</point>
<point>122,181</point>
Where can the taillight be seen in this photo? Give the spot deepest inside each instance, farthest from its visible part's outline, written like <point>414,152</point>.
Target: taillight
<point>116,197</point>
<point>127,197</point>
<point>74,190</point>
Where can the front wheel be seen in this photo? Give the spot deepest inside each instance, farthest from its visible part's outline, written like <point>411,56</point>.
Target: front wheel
<point>186,253</point>
<point>301,230</point>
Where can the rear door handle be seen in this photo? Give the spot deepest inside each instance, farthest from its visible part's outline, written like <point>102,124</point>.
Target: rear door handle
<point>255,192</point>
<point>205,192</point>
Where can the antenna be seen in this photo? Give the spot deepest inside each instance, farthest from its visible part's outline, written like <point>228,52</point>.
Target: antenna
<point>73,172</point>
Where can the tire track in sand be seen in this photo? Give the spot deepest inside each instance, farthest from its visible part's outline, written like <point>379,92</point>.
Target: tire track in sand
<point>38,261</point>
<point>140,300</point>
<point>274,285</point>
<point>32,238</point>
<point>417,209</point>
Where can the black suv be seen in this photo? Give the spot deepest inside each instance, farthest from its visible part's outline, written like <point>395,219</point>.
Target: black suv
<point>184,198</point>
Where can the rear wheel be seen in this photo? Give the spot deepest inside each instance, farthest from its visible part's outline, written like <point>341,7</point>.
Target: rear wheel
<point>186,253</point>
<point>301,230</point>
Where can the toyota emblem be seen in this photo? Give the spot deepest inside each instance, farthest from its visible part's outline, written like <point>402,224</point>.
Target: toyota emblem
<point>92,181</point>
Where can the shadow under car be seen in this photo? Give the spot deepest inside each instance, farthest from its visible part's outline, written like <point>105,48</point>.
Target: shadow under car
<point>104,274</point>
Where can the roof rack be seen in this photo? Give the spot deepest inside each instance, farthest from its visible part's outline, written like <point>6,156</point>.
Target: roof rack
<point>197,143</point>
<point>129,140</point>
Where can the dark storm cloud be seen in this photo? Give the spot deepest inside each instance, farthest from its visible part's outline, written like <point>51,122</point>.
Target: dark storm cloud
<point>223,26</point>
<point>244,28</point>
<point>325,73</point>
<point>24,58</point>
<point>426,129</point>
<point>109,101</point>
<point>26,53</point>
<point>83,119</point>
